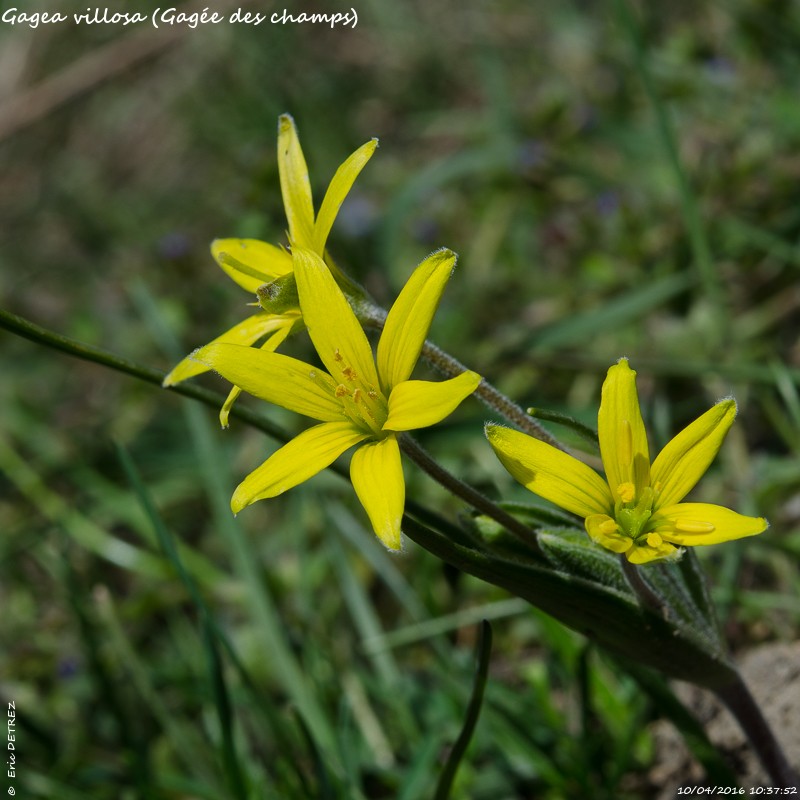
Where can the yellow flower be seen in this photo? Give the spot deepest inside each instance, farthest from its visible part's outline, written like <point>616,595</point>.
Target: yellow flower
<point>638,510</point>
<point>252,263</point>
<point>361,400</point>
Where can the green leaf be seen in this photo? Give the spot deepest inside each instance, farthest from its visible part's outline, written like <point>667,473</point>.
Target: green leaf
<point>607,614</point>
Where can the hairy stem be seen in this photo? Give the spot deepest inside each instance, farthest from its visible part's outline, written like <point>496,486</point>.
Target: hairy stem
<point>642,589</point>
<point>375,317</point>
<point>467,493</point>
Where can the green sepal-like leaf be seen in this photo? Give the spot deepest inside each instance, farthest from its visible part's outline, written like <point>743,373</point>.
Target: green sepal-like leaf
<point>280,295</point>
<point>574,553</point>
<point>609,615</point>
<point>668,582</point>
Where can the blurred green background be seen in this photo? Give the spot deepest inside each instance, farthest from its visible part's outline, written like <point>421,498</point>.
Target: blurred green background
<point>618,179</point>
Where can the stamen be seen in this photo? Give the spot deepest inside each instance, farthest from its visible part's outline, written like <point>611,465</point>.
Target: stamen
<point>654,540</point>
<point>337,356</point>
<point>356,395</point>
<point>626,492</point>
<point>349,373</point>
<point>694,526</point>
<point>372,394</point>
<point>609,526</point>
<point>341,390</point>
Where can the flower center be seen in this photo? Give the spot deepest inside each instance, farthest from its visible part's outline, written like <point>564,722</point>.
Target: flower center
<point>362,403</point>
<point>631,515</point>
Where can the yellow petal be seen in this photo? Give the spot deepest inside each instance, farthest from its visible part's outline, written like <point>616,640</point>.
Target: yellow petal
<point>702,523</point>
<point>337,191</point>
<point>551,474</point>
<point>623,440</point>
<point>418,404</point>
<point>338,337</point>
<point>683,460</point>
<point>251,262</point>
<point>603,530</point>
<point>297,461</point>
<point>377,475</point>
<point>276,378</point>
<point>410,318</point>
<point>295,185</point>
<point>644,553</point>
<point>243,333</point>
<point>270,345</point>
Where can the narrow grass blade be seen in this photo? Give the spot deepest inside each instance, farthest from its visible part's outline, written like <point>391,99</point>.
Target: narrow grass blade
<point>230,759</point>
<point>483,651</point>
<point>698,240</point>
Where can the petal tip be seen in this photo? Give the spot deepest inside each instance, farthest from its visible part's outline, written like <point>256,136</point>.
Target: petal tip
<point>392,538</point>
<point>238,502</point>
<point>201,355</point>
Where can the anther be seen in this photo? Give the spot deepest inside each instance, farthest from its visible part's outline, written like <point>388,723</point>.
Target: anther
<point>341,390</point>
<point>337,356</point>
<point>609,526</point>
<point>349,373</point>
<point>356,395</point>
<point>626,492</point>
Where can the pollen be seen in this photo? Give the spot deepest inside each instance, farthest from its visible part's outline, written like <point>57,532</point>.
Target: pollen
<point>341,390</point>
<point>693,526</point>
<point>349,373</point>
<point>626,492</point>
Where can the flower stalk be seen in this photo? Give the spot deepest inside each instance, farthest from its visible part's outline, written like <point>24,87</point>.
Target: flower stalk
<point>374,316</point>
<point>467,493</point>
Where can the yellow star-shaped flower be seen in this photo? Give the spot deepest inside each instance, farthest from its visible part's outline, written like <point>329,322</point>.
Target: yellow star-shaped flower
<point>252,263</point>
<point>637,510</point>
<point>360,400</point>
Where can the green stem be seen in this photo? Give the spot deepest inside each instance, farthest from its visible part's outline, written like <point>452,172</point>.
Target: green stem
<point>467,493</point>
<point>373,316</point>
<point>642,590</point>
<point>36,333</point>
<point>741,703</point>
